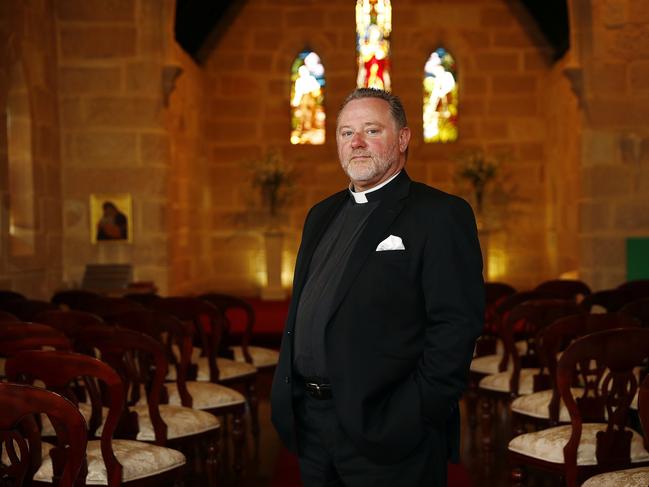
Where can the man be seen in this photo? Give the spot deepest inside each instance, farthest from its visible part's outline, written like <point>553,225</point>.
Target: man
<point>387,303</point>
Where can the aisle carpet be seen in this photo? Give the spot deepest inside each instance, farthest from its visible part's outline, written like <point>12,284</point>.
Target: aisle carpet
<point>287,473</point>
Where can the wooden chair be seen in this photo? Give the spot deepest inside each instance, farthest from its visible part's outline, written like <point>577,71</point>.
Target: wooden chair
<point>208,323</point>
<point>544,408</point>
<point>6,316</point>
<point>631,476</point>
<point>525,375</point>
<point>78,299</point>
<point>216,399</point>
<point>26,309</point>
<point>145,299</point>
<point>142,365</point>
<point>564,289</point>
<point>111,462</point>
<point>597,438</point>
<point>639,309</point>
<point>20,436</point>
<point>635,290</point>
<point>69,322</point>
<point>609,300</point>
<point>260,357</point>
<point>7,296</point>
<point>106,307</point>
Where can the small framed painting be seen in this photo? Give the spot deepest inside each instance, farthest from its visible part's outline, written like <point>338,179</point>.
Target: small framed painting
<point>111,217</point>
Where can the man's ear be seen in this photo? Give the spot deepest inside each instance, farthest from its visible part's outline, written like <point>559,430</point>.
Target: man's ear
<point>404,139</point>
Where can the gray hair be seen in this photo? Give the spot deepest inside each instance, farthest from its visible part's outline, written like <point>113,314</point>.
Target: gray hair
<point>396,107</point>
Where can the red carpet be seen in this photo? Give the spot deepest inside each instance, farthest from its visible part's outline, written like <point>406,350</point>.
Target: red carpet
<point>287,473</point>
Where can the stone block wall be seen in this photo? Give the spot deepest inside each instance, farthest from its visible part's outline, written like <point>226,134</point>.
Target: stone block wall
<point>113,134</point>
<point>611,56</point>
<point>27,47</point>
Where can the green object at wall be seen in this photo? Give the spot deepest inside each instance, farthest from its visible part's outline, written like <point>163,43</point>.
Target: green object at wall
<point>637,258</point>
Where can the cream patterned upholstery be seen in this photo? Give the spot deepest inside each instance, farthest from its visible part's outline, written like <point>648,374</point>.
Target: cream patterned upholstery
<point>261,357</point>
<point>633,477</point>
<point>548,444</point>
<point>536,405</point>
<point>487,364</point>
<point>138,460</point>
<point>180,421</point>
<point>206,395</point>
<point>500,382</point>
<point>228,369</point>
<point>84,408</point>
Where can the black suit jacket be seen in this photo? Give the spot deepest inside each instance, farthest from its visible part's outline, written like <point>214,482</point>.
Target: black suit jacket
<point>401,332</point>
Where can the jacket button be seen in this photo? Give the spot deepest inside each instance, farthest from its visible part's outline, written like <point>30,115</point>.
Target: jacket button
<point>287,380</point>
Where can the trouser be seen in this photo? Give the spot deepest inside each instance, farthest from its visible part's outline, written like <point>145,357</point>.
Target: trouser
<point>329,458</point>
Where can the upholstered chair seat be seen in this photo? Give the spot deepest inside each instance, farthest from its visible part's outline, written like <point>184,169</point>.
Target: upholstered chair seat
<point>261,357</point>
<point>537,405</point>
<point>139,460</point>
<point>500,382</point>
<point>547,445</point>
<point>633,477</point>
<point>228,369</point>
<point>206,395</point>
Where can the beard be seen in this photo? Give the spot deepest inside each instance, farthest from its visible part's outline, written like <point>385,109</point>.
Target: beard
<point>365,166</point>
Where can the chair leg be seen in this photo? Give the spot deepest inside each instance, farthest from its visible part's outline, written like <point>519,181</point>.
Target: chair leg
<point>518,477</point>
<point>253,401</point>
<point>486,407</point>
<point>237,443</point>
<point>471,397</point>
<point>212,462</point>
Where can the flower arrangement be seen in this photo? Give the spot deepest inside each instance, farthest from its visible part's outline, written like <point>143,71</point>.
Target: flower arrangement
<point>478,169</point>
<point>274,178</point>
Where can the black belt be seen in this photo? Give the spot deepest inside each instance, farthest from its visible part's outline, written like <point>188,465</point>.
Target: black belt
<point>317,387</point>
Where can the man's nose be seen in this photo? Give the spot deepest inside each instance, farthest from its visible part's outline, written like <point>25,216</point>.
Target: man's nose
<point>358,140</point>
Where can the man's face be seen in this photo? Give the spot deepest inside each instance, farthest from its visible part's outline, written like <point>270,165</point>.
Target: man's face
<point>371,148</point>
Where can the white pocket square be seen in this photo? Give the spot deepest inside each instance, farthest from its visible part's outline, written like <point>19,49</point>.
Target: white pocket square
<point>391,243</point>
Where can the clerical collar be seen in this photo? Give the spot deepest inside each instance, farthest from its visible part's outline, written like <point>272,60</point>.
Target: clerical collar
<point>361,196</point>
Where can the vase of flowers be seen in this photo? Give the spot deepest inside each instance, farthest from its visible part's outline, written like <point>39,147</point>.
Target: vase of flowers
<point>273,178</point>
<point>478,170</point>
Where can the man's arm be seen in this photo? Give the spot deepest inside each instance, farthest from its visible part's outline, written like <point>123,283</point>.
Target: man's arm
<point>453,289</point>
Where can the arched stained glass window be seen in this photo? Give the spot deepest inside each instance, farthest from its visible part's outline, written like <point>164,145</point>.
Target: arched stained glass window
<point>307,99</point>
<point>373,28</point>
<point>440,97</point>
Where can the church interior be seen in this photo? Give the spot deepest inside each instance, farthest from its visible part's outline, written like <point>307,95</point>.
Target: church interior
<point>171,149</point>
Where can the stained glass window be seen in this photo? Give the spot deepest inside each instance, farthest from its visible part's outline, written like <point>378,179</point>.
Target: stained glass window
<point>307,99</point>
<point>440,97</point>
<point>373,28</point>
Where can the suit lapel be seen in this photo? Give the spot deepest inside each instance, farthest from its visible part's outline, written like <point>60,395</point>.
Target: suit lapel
<point>377,224</point>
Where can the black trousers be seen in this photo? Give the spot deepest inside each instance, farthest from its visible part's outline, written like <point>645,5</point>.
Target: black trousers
<point>328,457</point>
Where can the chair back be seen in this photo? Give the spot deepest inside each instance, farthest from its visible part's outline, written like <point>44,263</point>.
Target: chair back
<point>68,322</point>
<point>18,336</point>
<point>6,316</point>
<point>523,323</point>
<point>20,436</point>
<point>609,299</point>
<point>60,371</point>
<point>226,303</point>
<point>208,322</point>
<point>78,299</point>
<point>107,307</point>
<point>168,331</point>
<point>639,309</point>
<point>557,336</point>
<point>564,289</point>
<point>603,362</point>
<point>140,362</point>
<point>634,290</point>
<point>26,309</point>
<point>145,299</point>
<point>6,296</point>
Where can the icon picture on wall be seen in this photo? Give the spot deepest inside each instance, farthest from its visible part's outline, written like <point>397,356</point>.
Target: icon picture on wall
<point>111,216</point>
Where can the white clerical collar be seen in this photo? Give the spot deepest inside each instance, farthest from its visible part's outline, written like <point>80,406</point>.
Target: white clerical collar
<point>360,196</point>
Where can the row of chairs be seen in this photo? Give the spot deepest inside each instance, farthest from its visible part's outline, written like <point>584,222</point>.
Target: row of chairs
<point>202,379</point>
<point>516,360</point>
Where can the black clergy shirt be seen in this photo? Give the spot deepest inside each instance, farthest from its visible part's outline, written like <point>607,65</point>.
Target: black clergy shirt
<point>325,271</point>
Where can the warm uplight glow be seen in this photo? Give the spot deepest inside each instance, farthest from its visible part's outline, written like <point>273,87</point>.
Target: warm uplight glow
<point>497,264</point>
